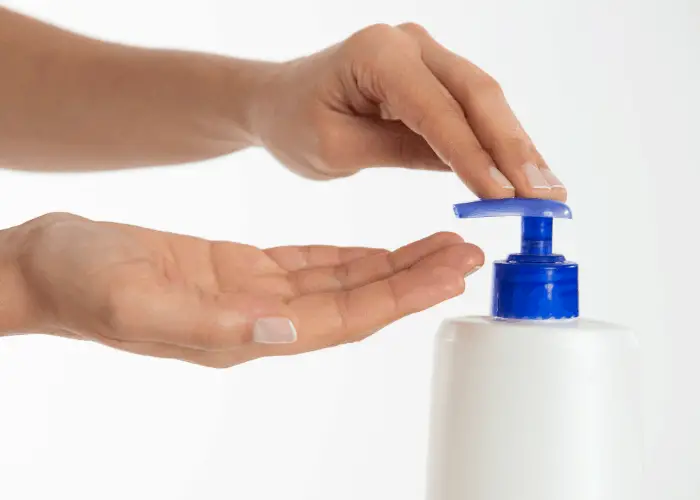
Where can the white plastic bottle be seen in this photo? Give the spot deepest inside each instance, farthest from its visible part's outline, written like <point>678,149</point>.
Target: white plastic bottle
<point>534,403</point>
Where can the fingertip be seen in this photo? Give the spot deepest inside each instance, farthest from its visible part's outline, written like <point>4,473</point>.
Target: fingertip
<point>476,256</point>
<point>542,193</point>
<point>461,258</point>
<point>559,193</point>
<point>557,188</point>
<point>487,183</point>
<point>501,181</point>
<point>551,179</point>
<point>446,238</point>
<point>472,259</point>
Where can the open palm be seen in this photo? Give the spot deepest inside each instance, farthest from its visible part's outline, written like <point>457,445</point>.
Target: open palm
<point>170,295</point>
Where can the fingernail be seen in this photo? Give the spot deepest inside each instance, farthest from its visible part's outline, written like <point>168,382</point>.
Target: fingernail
<point>274,331</point>
<point>535,177</point>
<point>497,176</point>
<point>472,271</point>
<point>552,179</point>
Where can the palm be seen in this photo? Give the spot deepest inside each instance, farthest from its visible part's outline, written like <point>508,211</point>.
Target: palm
<point>177,296</point>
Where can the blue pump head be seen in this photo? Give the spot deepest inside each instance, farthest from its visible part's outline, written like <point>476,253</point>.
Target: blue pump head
<point>535,283</point>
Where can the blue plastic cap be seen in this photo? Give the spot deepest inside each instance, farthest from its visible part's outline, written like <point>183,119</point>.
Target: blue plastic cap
<point>535,283</point>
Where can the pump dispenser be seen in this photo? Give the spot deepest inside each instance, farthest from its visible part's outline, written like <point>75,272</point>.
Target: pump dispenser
<point>533,402</point>
<point>532,284</point>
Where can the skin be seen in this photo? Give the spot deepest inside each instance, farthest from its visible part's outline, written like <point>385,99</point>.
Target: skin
<point>169,295</point>
<point>385,97</point>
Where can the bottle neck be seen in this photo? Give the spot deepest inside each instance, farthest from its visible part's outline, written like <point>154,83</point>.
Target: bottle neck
<point>536,236</point>
<point>536,321</point>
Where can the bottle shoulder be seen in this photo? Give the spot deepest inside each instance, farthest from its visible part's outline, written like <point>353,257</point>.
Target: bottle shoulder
<point>471,327</point>
<point>481,322</point>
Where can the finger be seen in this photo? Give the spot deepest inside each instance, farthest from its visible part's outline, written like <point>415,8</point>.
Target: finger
<point>295,258</point>
<point>373,267</point>
<point>189,317</point>
<point>359,271</point>
<point>223,324</point>
<point>382,143</point>
<point>327,319</point>
<point>299,259</point>
<point>491,119</point>
<point>422,283</point>
<point>559,191</point>
<point>418,99</point>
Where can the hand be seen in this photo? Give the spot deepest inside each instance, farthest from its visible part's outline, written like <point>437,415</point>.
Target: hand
<point>395,97</point>
<point>217,303</point>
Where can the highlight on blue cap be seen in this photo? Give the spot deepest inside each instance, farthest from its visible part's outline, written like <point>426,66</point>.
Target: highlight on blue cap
<point>522,207</point>
<point>534,283</point>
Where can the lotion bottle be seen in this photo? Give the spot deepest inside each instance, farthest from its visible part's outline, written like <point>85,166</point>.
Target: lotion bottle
<point>533,402</point>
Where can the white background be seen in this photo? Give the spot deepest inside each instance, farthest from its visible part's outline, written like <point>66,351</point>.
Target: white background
<point>608,90</point>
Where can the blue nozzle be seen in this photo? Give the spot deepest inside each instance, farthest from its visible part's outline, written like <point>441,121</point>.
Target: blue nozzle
<point>536,238</point>
<point>532,284</point>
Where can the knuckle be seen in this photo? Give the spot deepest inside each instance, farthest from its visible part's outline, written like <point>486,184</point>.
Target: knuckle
<point>413,28</point>
<point>55,217</point>
<point>483,83</point>
<point>517,147</point>
<point>41,229</point>
<point>372,34</point>
<point>380,44</point>
<point>376,54</point>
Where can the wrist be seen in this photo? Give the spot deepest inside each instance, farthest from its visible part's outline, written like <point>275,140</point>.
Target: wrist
<point>15,308</point>
<point>249,86</point>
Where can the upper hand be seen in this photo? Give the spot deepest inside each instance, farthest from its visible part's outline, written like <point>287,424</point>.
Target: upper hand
<point>219,303</point>
<point>392,96</point>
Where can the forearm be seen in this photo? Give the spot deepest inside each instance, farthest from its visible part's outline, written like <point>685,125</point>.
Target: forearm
<point>72,103</point>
